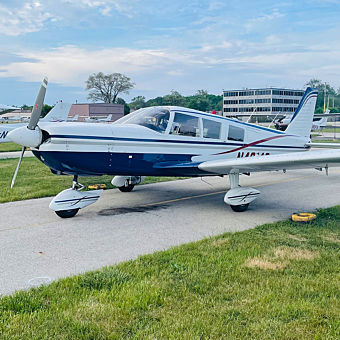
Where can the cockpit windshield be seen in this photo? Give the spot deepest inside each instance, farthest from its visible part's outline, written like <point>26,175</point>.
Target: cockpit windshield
<point>154,118</point>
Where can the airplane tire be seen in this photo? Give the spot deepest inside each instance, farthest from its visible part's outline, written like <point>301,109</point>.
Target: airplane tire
<point>239,208</point>
<point>126,188</point>
<point>67,213</point>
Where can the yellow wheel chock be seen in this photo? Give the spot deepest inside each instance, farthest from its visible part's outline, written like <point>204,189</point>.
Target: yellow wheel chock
<point>303,217</point>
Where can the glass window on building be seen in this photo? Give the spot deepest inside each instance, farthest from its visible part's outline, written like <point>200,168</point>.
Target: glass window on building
<point>230,94</point>
<point>185,125</point>
<point>235,133</point>
<point>211,129</point>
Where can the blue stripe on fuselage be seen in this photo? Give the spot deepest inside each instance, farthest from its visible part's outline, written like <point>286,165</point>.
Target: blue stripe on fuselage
<point>170,141</point>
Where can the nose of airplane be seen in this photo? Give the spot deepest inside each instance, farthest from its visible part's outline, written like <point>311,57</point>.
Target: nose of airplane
<point>26,137</point>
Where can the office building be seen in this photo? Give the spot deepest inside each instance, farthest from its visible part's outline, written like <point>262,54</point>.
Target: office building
<point>261,101</point>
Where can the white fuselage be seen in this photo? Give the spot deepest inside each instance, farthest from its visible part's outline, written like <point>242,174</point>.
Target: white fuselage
<point>132,149</point>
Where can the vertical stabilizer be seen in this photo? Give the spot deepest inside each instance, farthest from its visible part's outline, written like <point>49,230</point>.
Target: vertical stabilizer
<point>59,113</point>
<point>302,120</point>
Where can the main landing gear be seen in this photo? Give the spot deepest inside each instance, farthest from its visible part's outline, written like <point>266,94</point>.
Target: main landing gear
<point>126,183</point>
<point>68,202</point>
<point>239,197</point>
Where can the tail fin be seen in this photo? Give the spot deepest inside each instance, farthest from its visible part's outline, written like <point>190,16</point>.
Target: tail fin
<point>302,120</point>
<point>74,118</point>
<point>58,113</point>
<point>108,118</point>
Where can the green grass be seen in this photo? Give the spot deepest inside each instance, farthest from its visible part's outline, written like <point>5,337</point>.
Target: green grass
<point>278,281</point>
<point>337,129</point>
<point>35,180</point>
<point>326,141</point>
<point>7,147</point>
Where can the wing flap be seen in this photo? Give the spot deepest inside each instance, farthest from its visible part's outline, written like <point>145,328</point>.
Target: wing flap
<point>296,160</point>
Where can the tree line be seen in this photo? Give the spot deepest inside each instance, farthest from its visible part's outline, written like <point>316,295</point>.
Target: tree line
<point>327,95</point>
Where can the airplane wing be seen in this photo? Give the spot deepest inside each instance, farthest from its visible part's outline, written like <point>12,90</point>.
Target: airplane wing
<point>296,160</point>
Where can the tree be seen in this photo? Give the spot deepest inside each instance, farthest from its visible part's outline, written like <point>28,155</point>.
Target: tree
<point>158,101</point>
<point>323,88</point>
<point>46,109</point>
<point>106,87</point>
<point>174,99</point>
<point>137,103</point>
<point>121,101</point>
<point>202,93</point>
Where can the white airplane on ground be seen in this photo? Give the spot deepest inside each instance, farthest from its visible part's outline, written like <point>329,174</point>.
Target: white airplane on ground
<point>73,119</point>
<point>318,122</point>
<point>6,107</point>
<point>11,119</point>
<point>169,141</point>
<point>58,113</point>
<point>92,120</point>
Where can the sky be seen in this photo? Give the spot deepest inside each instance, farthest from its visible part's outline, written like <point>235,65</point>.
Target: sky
<point>165,45</point>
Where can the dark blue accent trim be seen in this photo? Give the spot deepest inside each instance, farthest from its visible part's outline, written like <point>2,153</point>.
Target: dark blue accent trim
<point>78,199</point>
<point>171,141</point>
<point>143,140</point>
<point>107,163</point>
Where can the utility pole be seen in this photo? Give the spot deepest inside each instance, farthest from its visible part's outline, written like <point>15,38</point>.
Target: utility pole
<point>324,98</point>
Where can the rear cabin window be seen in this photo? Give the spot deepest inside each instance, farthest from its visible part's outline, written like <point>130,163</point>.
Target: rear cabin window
<point>211,129</point>
<point>185,125</point>
<point>236,133</point>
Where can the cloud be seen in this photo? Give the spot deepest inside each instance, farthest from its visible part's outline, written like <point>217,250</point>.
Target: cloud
<point>30,17</point>
<point>70,65</point>
<point>263,19</point>
<point>105,6</point>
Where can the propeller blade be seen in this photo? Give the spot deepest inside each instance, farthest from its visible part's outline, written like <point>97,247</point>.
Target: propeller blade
<point>18,166</point>
<point>38,106</point>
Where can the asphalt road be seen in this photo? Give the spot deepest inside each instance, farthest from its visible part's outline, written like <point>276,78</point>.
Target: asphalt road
<point>37,247</point>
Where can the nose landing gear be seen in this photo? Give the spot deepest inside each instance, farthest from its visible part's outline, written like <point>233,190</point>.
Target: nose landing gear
<point>68,202</point>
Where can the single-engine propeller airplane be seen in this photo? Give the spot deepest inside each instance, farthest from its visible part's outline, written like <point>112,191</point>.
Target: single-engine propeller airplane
<point>169,141</point>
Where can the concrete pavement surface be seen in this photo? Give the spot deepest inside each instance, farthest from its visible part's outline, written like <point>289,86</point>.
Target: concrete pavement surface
<point>36,246</point>
<point>15,154</point>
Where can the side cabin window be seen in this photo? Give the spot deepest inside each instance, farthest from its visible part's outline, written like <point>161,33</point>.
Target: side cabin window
<point>235,133</point>
<point>211,129</point>
<point>185,125</point>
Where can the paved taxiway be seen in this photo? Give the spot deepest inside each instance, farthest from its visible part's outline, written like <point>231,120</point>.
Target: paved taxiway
<point>14,154</point>
<point>36,246</point>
